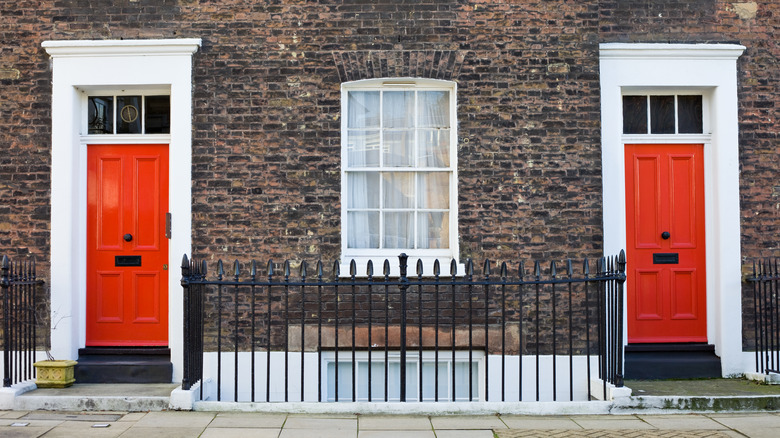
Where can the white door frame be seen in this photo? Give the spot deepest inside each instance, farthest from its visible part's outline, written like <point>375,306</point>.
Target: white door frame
<point>711,70</point>
<point>81,67</point>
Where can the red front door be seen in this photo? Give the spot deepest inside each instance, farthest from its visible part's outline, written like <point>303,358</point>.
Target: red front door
<point>665,243</point>
<point>127,251</point>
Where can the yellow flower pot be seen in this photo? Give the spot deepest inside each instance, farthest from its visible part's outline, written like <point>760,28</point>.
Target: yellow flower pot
<point>55,373</point>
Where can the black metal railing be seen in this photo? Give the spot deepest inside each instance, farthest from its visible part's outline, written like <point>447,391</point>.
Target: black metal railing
<point>19,289</point>
<point>434,337</point>
<point>765,282</point>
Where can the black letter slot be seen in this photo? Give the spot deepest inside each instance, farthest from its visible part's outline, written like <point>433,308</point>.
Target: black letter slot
<point>666,258</point>
<point>127,260</point>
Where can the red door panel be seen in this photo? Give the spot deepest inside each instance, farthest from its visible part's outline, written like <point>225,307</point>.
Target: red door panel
<point>666,288</point>
<point>127,194</point>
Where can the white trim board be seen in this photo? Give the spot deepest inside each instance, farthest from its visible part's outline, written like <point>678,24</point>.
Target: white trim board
<point>79,66</point>
<point>711,69</point>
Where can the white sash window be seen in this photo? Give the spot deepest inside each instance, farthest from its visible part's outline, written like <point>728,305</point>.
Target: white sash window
<point>398,171</point>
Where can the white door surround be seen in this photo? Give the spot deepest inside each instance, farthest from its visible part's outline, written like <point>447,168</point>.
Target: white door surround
<point>82,67</point>
<point>710,70</point>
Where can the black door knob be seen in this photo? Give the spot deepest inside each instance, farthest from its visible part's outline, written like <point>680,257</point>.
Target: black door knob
<point>665,235</point>
<point>128,237</point>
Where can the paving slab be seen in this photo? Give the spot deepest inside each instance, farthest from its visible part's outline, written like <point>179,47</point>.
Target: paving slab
<point>314,433</point>
<point>371,422</point>
<point>612,422</point>
<point>84,429</point>
<point>538,422</point>
<point>248,420</point>
<point>464,434</point>
<point>604,433</point>
<point>702,387</point>
<point>396,434</point>
<point>171,419</point>
<point>23,432</point>
<point>239,432</point>
<point>321,423</point>
<point>682,422</point>
<point>467,422</point>
<point>754,426</point>
<point>13,414</point>
<point>162,432</point>
<point>132,416</point>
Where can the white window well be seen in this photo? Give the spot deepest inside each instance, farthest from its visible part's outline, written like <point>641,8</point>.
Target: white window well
<point>399,182</point>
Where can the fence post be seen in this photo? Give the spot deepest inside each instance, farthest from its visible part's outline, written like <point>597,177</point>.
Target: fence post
<point>621,279</point>
<point>404,285</point>
<point>185,284</point>
<point>5,282</point>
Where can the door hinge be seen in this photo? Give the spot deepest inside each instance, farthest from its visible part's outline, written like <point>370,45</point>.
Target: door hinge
<point>167,225</point>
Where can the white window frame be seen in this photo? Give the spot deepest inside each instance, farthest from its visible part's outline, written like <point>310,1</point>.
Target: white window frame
<point>361,256</point>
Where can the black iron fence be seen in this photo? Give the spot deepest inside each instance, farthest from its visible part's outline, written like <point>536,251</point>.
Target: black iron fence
<point>19,289</point>
<point>509,335</point>
<point>765,281</point>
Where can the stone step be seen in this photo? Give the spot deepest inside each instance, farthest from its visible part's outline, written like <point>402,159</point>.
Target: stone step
<point>124,365</point>
<point>671,361</point>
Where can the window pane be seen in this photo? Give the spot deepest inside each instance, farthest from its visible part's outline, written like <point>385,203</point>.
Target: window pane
<point>434,148</point>
<point>158,115</point>
<point>363,148</point>
<point>363,190</point>
<point>128,114</point>
<point>433,229</point>
<point>634,114</point>
<point>398,148</point>
<point>433,190</point>
<point>398,230</point>
<point>100,115</point>
<point>689,115</point>
<point>398,189</point>
<point>363,109</point>
<point>662,114</point>
<point>363,228</point>
<point>398,109</point>
<point>433,109</point>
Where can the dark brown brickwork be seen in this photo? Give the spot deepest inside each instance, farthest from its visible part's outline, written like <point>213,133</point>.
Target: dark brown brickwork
<point>266,140</point>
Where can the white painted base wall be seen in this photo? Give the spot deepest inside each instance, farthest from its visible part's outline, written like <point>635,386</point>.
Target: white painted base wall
<point>226,379</point>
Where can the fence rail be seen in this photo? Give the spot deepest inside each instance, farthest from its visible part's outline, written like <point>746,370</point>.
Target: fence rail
<point>766,315</point>
<point>19,286</point>
<point>514,336</point>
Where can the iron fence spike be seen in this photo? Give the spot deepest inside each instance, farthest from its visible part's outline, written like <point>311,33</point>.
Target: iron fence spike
<point>453,268</point>
<point>303,269</point>
<point>270,269</point>
<point>336,270</point>
<point>419,268</point>
<point>569,268</point>
<point>553,271</point>
<point>386,268</point>
<point>503,270</point>
<point>286,269</point>
<point>220,269</point>
<point>352,268</point>
<point>319,269</point>
<point>253,272</point>
<point>237,269</point>
<point>436,268</point>
<point>585,268</point>
<point>370,269</point>
<point>486,268</point>
<point>537,270</point>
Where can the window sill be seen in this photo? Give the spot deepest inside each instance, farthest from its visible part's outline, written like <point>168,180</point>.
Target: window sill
<point>361,265</point>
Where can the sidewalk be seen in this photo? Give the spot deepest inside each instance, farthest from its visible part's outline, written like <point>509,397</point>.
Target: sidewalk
<point>173,424</point>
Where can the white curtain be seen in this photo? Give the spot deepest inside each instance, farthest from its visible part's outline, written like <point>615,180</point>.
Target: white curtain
<point>407,197</point>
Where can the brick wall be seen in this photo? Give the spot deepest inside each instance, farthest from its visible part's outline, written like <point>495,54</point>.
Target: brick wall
<point>266,116</point>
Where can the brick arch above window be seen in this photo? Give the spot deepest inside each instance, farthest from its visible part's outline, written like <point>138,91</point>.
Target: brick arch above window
<point>430,64</point>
